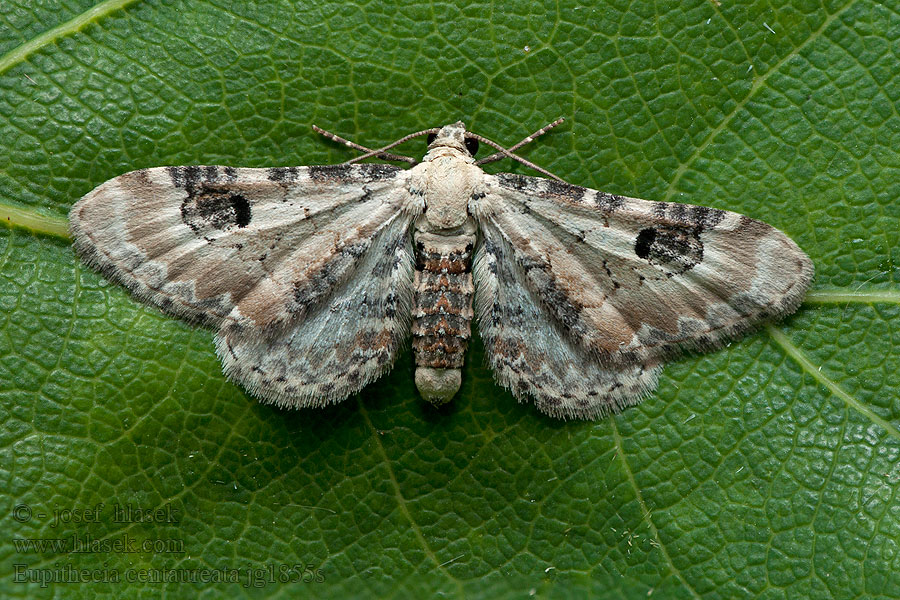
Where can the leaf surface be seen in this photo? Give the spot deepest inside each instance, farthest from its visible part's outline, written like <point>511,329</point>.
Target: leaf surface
<point>768,469</point>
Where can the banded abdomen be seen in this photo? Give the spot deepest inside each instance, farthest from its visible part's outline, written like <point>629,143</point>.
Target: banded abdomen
<point>443,312</point>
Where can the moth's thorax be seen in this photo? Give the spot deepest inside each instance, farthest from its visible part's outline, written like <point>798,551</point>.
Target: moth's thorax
<point>447,179</point>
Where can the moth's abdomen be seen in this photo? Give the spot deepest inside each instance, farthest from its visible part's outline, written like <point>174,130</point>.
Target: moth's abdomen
<point>443,312</point>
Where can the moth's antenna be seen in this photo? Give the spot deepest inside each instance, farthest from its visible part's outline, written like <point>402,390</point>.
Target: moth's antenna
<point>500,155</point>
<point>369,152</point>
<point>509,154</point>
<point>405,138</point>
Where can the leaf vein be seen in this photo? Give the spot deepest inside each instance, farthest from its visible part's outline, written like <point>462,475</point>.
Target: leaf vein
<point>20,53</point>
<point>401,501</point>
<point>807,365</point>
<point>755,87</point>
<point>645,511</point>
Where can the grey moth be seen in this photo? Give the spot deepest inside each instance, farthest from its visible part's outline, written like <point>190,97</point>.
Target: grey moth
<point>316,277</point>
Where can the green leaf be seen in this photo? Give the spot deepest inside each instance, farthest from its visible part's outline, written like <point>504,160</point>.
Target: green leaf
<point>769,469</point>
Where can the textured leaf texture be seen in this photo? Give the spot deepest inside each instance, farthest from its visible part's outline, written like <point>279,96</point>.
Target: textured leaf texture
<point>769,469</point>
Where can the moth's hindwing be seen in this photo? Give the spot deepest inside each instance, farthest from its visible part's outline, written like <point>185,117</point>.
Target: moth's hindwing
<point>255,251</point>
<point>532,354</point>
<point>634,281</point>
<point>340,344</point>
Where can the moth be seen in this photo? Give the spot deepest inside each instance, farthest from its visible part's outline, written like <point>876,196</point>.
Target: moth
<point>316,276</point>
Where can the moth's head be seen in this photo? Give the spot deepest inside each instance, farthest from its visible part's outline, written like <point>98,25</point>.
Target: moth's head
<point>453,136</point>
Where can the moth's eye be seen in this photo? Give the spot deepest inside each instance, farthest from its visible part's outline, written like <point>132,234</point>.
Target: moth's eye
<point>431,137</point>
<point>472,145</point>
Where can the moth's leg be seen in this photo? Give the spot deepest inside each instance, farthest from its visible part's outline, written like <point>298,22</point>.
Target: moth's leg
<point>369,152</point>
<point>500,155</point>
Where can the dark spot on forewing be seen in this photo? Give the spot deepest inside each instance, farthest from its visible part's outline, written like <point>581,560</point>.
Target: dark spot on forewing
<point>706,217</point>
<point>517,182</point>
<point>375,171</point>
<point>674,249</point>
<point>608,202</point>
<point>190,177</point>
<point>139,179</point>
<point>175,174</point>
<point>363,173</point>
<point>329,172</point>
<point>644,240</point>
<point>212,209</point>
<point>679,212</point>
<point>544,188</point>
<point>282,174</point>
<point>241,210</point>
<point>701,218</point>
<point>572,193</point>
